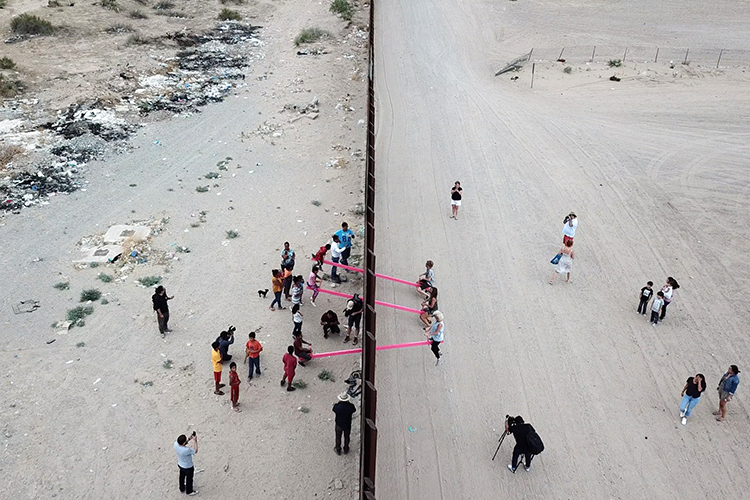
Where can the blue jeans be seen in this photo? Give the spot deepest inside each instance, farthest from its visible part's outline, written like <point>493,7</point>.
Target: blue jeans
<point>334,277</point>
<point>345,255</point>
<point>253,362</point>
<point>687,404</point>
<point>276,299</point>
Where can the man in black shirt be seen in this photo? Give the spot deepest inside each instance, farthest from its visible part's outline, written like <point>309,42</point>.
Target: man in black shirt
<point>161,307</point>
<point>344,410</point>
<point>520,431</point>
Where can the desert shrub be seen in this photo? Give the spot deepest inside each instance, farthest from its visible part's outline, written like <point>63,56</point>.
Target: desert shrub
<point>3,3</point>
<point>62,285</point>
<point>317,203</point>
<point>236,2</point>
<point>201,189</point>
<point>78,313</point>
<point>7,63</point>
<point>7,153</point>
<point>299,384</point>
<point>110,4</point>
<point>326,375</point>
<point>614,63</point>
<point>142,2</point>
<point>568,70</point>
<point>9,88</point>
<point>137,14</point>
<point>150,281</point>
<point>342,8</point>
<point>90,294</point>
<point>137,39</point>
<point>120,28</point>
<point>171,13</point>
<point>229,15</point>
<point>212,175</point>
<point>164,5</point>
<point>310,35</point>
<point>106,278</point>
<point>232,234</point>
<point>27,24</point>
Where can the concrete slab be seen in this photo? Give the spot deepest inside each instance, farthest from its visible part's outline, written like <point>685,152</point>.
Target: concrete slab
<point>106,253</point>
<point>119,233</point>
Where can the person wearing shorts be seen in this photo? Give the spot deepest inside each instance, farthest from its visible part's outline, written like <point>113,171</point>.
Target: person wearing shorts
<point>726,389</point>
<point>570,224</point>
<point>216,362</point>
<point>354,308</point>
<point>456,193</point>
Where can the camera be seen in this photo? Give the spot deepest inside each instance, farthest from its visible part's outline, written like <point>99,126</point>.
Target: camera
<point>513,420</point>
<point>231,330</point>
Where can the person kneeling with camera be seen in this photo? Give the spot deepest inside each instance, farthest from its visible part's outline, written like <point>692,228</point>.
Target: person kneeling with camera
<point>528,442</point>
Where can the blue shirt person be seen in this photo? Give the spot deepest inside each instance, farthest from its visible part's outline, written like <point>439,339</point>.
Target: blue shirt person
<point>346,236</point>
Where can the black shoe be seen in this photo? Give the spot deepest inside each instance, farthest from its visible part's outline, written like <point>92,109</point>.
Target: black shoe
<point>337,450</point>
<point>346,450</point>
<point>291,388</point>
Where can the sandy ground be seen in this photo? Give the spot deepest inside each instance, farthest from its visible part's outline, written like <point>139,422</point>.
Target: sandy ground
<point>656,168</point>
<point>94,413</point>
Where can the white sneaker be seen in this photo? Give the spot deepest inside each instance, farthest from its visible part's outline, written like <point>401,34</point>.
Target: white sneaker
<point>313,303</point>
<point>528,469</point>
<point>510,468</point>
<point>684,420</point>
<point>682,414</point>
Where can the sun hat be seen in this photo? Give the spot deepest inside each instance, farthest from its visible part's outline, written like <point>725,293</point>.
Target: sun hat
<point>344,397</point>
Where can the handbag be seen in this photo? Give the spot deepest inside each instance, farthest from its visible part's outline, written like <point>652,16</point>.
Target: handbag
<point>555,259</point>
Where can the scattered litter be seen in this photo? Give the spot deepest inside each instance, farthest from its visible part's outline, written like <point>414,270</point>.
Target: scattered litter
<point>26,306</point>
<point>96,381</point>
<point>412,429</point>
<point>50,341</point>
<point>68,362</point>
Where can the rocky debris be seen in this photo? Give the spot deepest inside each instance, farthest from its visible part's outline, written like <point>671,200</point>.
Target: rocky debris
<point>23,189</point>
<point>312,52</point>
<point>80,149</point>
<point>311,107</point>
<point>83,118</point>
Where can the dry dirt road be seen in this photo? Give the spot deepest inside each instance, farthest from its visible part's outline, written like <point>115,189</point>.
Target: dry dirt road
<point>656,169</point>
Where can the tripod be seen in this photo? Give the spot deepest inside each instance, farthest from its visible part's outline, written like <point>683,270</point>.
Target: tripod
<point>505,433</point>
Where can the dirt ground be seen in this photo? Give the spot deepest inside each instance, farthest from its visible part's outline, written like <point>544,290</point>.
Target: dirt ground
<point>655,166</point>
<point>92,412</point>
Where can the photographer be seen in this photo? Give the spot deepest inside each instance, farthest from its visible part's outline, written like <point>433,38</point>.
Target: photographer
<point>528,443</point>
<point>185,462</point>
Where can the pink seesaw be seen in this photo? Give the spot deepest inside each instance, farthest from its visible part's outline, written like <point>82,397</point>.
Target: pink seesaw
<point>378,348</point>
<point>378,302</point>
<point>358,270</point>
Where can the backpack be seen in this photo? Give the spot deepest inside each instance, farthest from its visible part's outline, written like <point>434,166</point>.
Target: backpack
<point>356,305</point>
<point>534,443</point>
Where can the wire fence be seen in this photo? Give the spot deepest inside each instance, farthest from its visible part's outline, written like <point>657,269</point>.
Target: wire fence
<point>715,58</point>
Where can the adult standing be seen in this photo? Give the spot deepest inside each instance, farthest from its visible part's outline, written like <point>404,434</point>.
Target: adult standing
<point>344,410</point>
<point>726,388</point>
<point>346,236</point>
<point>691,395</point>
<point>287,257</point>
<point>354,307</point>
<point>570,224</point>
<point>668,289</point>
<point>185,462</point>
<point>161,307</point>
<point>565,264</point>
<point>456,193</point>
<point>337,250</point>
<point>520,431</point>
<point>435,334</point>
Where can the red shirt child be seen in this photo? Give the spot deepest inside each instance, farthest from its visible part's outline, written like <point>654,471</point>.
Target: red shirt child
<point>290,365</point>
<point>321,254</point>
<point>234,384</point>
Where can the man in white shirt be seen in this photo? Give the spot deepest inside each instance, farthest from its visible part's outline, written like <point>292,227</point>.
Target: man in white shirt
<point>569,228</point>
<point>185,462</point>
<point>337,248</point>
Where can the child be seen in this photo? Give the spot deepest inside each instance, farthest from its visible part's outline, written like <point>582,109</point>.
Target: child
<point>216,361</point>
<point>287,281</point>
<point>646,293</point>
<point>290,365</point>
<point>314,282</point>
<point>656,307</point>
<point>302,353</point>
<point>298,289</point>
<point>321,255</point>
<point>252,349</point>
<point>234,384</point>
<point>277,284</point>
<point>297,319</point>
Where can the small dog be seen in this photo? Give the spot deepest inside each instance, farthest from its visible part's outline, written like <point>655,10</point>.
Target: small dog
<point>263,293</point>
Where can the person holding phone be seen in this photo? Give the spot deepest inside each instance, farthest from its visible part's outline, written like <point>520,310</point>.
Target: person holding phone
<point>185,461</point>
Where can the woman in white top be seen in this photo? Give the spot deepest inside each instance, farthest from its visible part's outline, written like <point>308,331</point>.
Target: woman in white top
<point>668,289</point>
<point>435,333</point>
<point>565,265</point>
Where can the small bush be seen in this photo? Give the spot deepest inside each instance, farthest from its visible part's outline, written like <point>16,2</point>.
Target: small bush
<point>120,28</point>
<point>26,24</point>
<point>614,63</point>
<point>149,281</point>
<point>326,375</point>
<point>299,384</point>
<point>62,285</point>
<point>81,344</point>
<point>90,294</point>
<point>137,14</point>
<point>7,63</point>
<point>232,234</point>
<point>342,8</point>
<point>142,2</point>
<point>7,153</point>
<point>104,302</point>
<point>229,15</point>
<point>172,13</point>
<point>201,189</point>
<point>164,5</point>
<point>568,70</point>
<point>78,313</point>
<point>304,409</point>
<point>110,5</point>
<point>9,88</point>
<point>137,39</point>
<point>236,2</point>
<point>358,209</point>
<point>93,265</point>
<point>106,278</point>
<point>168,364</point>
<point>310,35</point>
<point>315,203</point>
<point>3,3</point>
<point>212,175</point>
<point>183,249</point>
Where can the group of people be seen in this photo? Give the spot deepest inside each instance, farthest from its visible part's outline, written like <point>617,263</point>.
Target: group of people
<point>432,318</point>
<point>695,385</point>
<point>660,302</point>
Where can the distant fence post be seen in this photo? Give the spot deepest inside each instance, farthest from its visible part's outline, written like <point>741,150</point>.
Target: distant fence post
<point>593,53</point>
<point>720,53</point>
<point>533,69</point>
<point>561,53</point>
<point>686,56</point>
<point>625,55</point>
<point>657,54</point>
